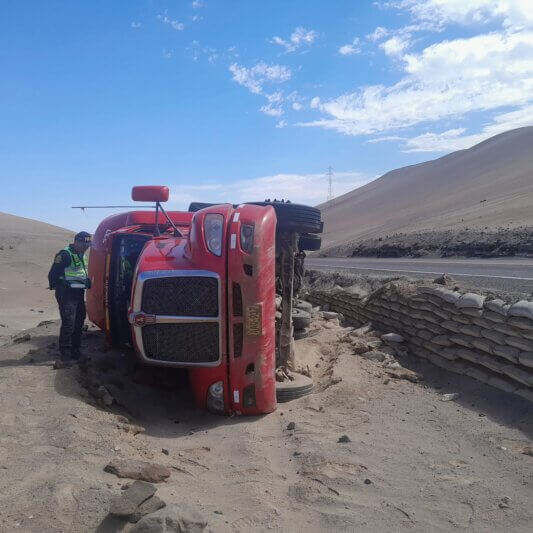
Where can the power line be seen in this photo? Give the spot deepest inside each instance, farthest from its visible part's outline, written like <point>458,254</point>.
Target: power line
<point>330,183</point>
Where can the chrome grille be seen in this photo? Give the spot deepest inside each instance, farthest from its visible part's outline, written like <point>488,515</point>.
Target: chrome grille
<point>196,342</point>
<point>181,296</point>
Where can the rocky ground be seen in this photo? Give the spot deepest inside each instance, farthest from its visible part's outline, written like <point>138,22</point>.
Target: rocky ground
<point>378,446</point>
<point>494,242</point>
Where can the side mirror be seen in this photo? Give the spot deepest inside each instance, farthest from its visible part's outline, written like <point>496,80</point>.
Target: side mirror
<point>150,193</point>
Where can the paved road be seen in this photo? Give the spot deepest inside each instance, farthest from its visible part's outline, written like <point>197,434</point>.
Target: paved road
<point>509,274</point>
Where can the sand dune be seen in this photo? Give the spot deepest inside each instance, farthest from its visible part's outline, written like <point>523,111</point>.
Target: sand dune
<point>27,248</point>
<point>488,185</point>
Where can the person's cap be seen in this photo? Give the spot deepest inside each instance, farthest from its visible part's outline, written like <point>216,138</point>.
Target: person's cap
<point>83,237</point>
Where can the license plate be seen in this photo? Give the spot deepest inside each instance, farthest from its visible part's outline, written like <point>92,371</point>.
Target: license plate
<point>254,322</point>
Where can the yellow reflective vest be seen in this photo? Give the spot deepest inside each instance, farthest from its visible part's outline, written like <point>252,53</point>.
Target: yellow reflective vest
<point>76,276</point>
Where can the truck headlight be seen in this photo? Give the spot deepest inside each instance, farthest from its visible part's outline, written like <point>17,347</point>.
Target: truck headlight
<point>247,238</point>
<point>215,397</point>
<point>213,226</point>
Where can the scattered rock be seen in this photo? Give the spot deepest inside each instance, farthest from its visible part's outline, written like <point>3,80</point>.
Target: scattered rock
<point>103,395</point>
<point>133,428</point>
<point>329,315</point>
<point>449,397</point>
<point>404,373</point>
<point>151,505</point>
<point>22,337</point>
<point>59,364</point>
<point>392,337</point>
<point>171,519</point>
<point>291,426</point>
<point>165,451</point>
<point>46,323</point>
<point>528,450</point>
<point>504,502</point>
<point>127,503</point>
<point>134,469</point>
<point>444,280</point>
<point>367,481</point>
<point>344,438</point>
<point>375,355</point>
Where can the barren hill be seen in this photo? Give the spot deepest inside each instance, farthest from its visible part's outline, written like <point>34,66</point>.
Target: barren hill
<point>27,248</point>
<point>488,186</point>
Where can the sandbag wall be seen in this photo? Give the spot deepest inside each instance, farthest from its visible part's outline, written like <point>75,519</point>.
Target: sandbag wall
<point>464,333</point>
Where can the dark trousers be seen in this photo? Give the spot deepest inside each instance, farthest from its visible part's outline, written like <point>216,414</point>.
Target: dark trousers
<point>72,310</point>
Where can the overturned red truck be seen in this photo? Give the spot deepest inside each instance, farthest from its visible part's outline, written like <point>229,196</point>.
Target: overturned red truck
<point>211,289</point>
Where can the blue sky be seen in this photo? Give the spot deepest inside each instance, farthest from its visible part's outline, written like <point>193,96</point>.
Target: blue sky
<point>242,100</point>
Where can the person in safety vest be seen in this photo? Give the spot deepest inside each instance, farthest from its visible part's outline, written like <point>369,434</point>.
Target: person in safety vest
<point>68,277</point>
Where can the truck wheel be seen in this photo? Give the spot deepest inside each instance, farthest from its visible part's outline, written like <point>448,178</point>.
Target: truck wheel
<point>196,206</point>
<point>309,242</point>
<point>303,305</point>
<point>300,334</point>
<point>295,217</point>
<point>300,319</point>
<point>291,390</point>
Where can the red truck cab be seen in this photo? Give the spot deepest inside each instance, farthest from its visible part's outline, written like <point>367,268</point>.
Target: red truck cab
<point>193,290</point>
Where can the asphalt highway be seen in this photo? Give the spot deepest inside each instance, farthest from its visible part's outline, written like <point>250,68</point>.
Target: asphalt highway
<point>513,275</point>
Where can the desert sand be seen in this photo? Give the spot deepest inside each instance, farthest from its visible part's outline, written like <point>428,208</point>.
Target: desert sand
<point>488,186</point>
<point>27,249</point>
<point>363,452</point>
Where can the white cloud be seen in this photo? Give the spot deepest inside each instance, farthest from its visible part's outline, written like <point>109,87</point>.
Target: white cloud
<point>135,25</point>
<point>308,189</point>
<point>274,98</point>
<point>297,106</point>
<point>281,124</point>
<point>174,24</point>
<point>396,45</point>
<point>196,4</point>
<point>254,78</point>
<point>454,139</point>
<point>315,102</point>
<point>299,38</point>
<point>445,80</point>
<point>388,138</point>
<point>514,14</point>
<point>272,110</point>
<point>378,34</point>
<point>351,48</point>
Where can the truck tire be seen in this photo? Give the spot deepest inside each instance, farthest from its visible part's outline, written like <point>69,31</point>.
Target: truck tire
<point>300,319</point>
<point>292,390</point>
<point>295,217</point>
<point>309,242</point>
<point>196,206</point>
<point>300,334</point>
<point>303,305</point>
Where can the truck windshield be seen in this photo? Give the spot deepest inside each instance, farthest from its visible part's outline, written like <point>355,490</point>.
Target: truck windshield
<point>126,251</point>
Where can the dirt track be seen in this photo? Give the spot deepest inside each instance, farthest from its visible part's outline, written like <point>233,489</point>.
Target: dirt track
<point>414,463</point>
